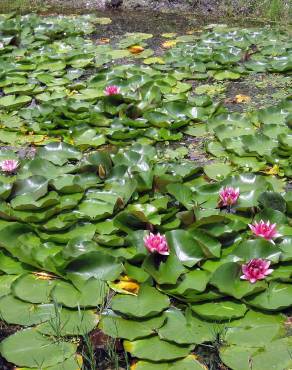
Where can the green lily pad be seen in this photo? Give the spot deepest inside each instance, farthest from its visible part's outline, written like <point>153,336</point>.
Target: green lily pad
<point>147,303</point>
<point>223,310</point>
<point>31,288</point>
<point>29,348</point>
<point>66,322</point>
<point>118,327</point>
<point>92,294</point>
<point>15,311</point>
<point>143,348</point>
<point>276,297</point>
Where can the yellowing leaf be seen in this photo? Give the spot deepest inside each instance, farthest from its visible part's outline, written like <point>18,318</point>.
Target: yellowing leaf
<point>79,360</point>
<point>129,286</point>
<point>275,170</point>
<point>103,20</point>
<point>242,98</point>
<point>126,278</point>
<point>169,44</point>
<point>125,285</point>
<point>192,31</point>
<point>104,40</point>
<point>197,358</point>
<point>44,275</point>
<point>135,49</point>
<point>169,35</point>
<point>101,171</point>
<point>134,366</point>
<point>154,60</point>
<point>71,93</point>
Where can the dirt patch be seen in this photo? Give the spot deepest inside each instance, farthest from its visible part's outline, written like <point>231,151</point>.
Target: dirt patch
<point>5,331</point>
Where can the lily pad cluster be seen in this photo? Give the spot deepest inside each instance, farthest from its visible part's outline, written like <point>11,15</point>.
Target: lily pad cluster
<point>75,211</point>
<point>82,218</point>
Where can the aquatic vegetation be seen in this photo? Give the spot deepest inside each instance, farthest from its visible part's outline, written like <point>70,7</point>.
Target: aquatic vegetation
<point>100,231</point>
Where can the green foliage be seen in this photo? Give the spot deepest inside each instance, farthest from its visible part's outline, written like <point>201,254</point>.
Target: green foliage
<point>74,214</point>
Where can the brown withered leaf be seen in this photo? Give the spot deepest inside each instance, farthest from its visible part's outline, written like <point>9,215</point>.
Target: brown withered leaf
<point>136,49</point>
<point>101,171</point>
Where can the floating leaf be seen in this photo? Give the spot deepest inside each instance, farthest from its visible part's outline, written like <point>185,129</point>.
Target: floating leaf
<point>143,348</point>
<point>36,350</point>
<point>148,302</point>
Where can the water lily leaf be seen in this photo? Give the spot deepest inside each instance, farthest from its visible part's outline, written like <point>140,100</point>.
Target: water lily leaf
<point>164,272</point>
<point>255,329</point>
<point>102,20</point>
<point>272,200</point>
<point>240,357</point>
<point>88,138</point>
<point>185,246</point>
<point>68,183</point>
<point>143,348</point>
<point>78,230</point>
<point>13,101</point>
<point>229,75</point>
<point>67,295</point>
<point>188,363</point>
<point>258,248</point>
<point>26,202</point>
<point>182,193</point>
<point>119,327</point>
<point>5,284</point>
<point>224,310</point>
<point>277,296</point>
<point>192,330</point>
<point>276,354</point>
<point>36,186</point>
<point>36,350</point>
<point>147,303</point>
<point>72,363</point>
<point>93,264</point>
<point>154,60</point>
<point>59,153</point>
<point>11,266</point>
<point>189,284</point>
<point>32,289</point>
<point>15,311</point>
<point>67,322</point>
<point>217,171</point>
<point>210,245</point>
<point>259,144</point>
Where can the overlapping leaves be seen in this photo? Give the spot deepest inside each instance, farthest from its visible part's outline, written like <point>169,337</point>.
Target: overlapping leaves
<point>74,215</point>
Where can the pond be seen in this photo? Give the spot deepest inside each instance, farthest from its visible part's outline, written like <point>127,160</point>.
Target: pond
<point>145,171</point>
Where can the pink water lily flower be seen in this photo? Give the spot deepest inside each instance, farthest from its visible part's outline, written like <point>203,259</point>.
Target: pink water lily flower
<point>256,269</point>
<point>228,196</point>
<point>112,90</point>
<point>9,165</point>
<point>265,230</point>
<point>156,244</point>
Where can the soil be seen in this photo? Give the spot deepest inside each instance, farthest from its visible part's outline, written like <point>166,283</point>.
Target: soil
<point>6,331</point>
